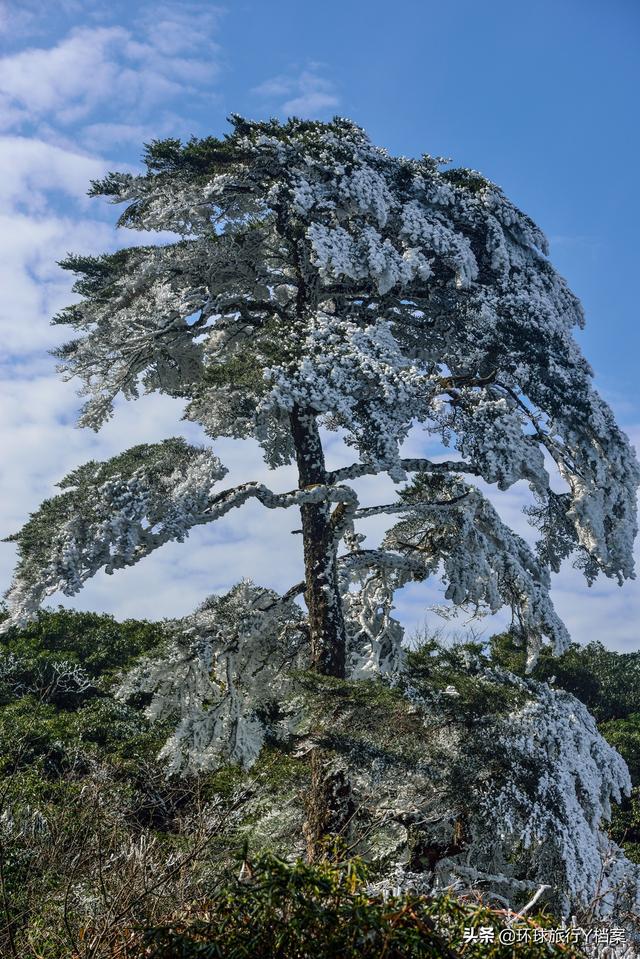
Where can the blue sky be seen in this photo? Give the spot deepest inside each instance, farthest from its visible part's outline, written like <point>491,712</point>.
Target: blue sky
<point>540,97</point>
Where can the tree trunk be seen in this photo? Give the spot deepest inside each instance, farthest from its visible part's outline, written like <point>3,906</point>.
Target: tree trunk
<point>329,806</point>
<point>328,802</point>
<point>322,595</point>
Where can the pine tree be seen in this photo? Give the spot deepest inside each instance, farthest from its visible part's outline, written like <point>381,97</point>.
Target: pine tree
<point>319,283</point>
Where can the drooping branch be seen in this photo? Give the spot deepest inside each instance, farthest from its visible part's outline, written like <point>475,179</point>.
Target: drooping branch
<point>484,563</point>
<point>223,666</point>
<point>112,514</point>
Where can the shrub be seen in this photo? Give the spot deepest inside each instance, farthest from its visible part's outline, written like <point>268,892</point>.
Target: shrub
<point>295,911</point>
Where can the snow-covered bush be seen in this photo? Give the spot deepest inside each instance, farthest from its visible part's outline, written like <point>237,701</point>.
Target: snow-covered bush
<point>461,771</point>
<point>223,677</point>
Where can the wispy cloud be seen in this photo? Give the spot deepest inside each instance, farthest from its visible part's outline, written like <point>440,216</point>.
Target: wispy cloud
<point>30,169</point>
<point>65,101</point>
<point>306,93</point>
<point>64,104</point>
<point>125,73</point>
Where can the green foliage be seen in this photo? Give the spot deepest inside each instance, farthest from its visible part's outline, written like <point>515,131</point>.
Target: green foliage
<point>99,275</point>
<point>454,674</point>
<point>82,784</point>
<point>607,682</point>
<point>299,911</point>
<point>95,641</point>
<point>625,825</point>
<point>362,719</point>
<point>208,155</point>
<point>33,733</point>
<point>624,735</point>
<point>468,179</point>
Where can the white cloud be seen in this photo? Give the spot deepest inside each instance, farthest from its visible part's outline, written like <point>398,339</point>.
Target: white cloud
<point>36,179</point>
<point>71,77</point>
<point>181,29</point>
<point>119,82</point>
<point>34,288</point>
<point>312,104</point>
<point>31,169</point>
<point>125,75</point>
<point>108,136</point>
<point>307,93</point>
<point>34,236</point>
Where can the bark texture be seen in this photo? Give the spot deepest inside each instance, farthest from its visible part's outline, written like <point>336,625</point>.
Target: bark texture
<point>322,595</point>
<point>328,801</point>
<point>329,805</point>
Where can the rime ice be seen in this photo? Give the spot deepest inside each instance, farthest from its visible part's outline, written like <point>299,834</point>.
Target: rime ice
<point>320,283</point>
<point>317,272</point>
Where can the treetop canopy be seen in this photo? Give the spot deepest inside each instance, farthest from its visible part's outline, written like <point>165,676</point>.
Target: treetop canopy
<point>310,270</point>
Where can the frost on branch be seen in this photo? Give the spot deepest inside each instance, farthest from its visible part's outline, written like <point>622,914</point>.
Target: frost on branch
<point>484,781</point>
<point>315,268</point>
<point>491,435</point>
<point>227,675</point>
<point>355,376</point>
<point>484,564</point>
<point>109,516</point>
<point>136,317</point>
<point>368,581</point>
<point>374,637</point>
<point>547,779</point>
<point>224,678</point>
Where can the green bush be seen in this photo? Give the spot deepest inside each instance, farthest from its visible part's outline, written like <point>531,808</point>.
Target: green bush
<point>95,640</point>
<point>325,911</point>
<point>624,735</point>
<point>625,825</point>
<point>605,681</point>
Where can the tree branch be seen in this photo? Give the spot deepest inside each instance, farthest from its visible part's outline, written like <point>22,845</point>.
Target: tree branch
<point>410,465</point>
<point>361,558</point>
<point>553,448</point>
<point>226,500</point>
<point>400,507</point>
<point>365,558</point>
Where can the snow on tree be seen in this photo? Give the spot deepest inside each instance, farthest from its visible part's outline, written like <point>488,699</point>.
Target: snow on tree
<point>225,670</point>
<point>512,792</point>
<point>463,775</point>
<point>544,780</point>
<point>319,283</point>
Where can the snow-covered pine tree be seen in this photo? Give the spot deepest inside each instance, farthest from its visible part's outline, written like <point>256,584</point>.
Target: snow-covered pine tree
<point>320,283</point>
